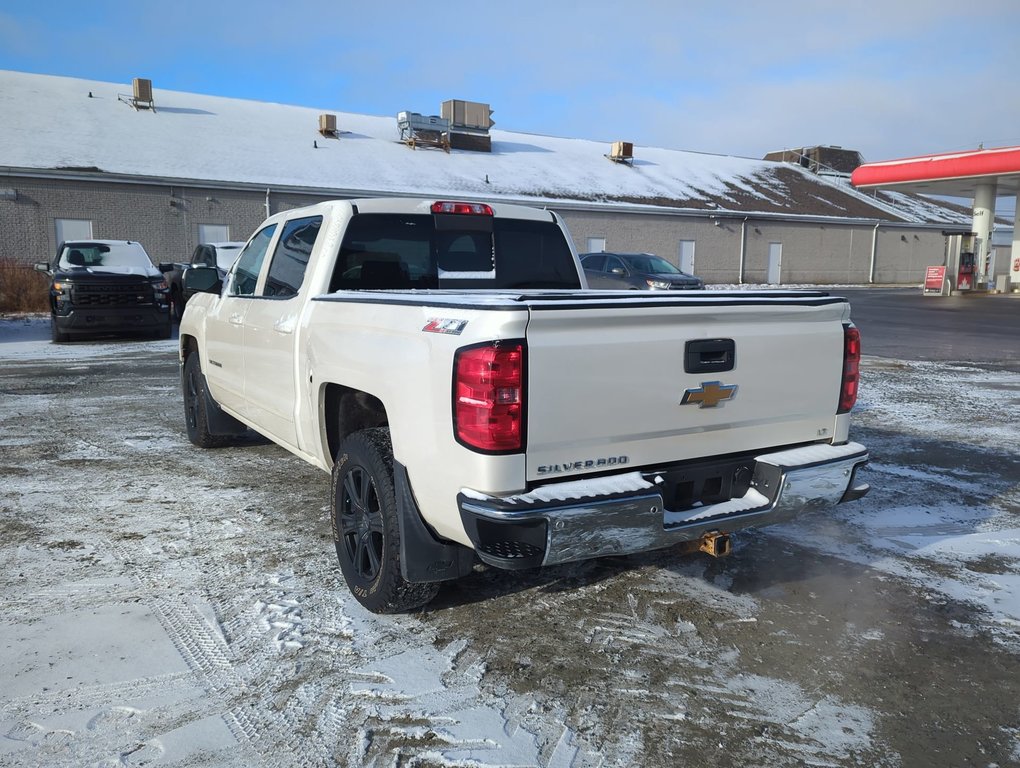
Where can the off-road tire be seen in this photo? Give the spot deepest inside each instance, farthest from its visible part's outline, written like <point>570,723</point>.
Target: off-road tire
<point>196,417</point>
<point>366,529</point>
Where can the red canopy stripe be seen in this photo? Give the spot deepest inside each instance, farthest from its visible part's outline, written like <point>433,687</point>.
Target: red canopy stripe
<point>957,165</point>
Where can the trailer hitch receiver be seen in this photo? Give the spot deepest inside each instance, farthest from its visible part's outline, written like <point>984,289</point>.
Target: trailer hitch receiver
<point>714,543</point>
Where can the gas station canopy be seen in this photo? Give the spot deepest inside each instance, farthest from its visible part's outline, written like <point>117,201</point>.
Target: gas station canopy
<point>956,174</point>
<point>981,174</point>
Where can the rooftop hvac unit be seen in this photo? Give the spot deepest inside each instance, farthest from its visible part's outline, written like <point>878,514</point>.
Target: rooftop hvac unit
<point>141,95</point>
<point>424,130</point>
<point>468,114</point>
<point>327,125</point>
<point>472,141</point>
<point>622,152</point>
<point>142,89</point>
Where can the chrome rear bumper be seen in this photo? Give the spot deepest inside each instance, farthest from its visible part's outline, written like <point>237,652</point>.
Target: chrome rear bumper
<point>580,520</point>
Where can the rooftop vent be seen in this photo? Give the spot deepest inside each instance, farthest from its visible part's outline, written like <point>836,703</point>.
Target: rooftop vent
<point>622,152</point>
<point>418,130</point>
<point>469,124</point>
<point>327,126</point>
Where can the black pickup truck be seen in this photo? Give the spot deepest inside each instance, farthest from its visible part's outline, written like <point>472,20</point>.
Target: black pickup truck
<point>106,287</point>
<point>218,255</point>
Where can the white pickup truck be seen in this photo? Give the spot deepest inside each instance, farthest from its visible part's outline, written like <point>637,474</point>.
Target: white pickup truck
<point>474,401</point>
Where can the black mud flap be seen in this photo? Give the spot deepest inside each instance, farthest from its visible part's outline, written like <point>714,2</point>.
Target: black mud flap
<point>425,558</point>
<point>220,422</point>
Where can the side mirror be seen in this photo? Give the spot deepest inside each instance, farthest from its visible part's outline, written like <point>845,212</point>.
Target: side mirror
<point>165,267</point>
<point>205,260</point>
<point>618,271</point>
<point>201,280</point>
<point>42,266</point>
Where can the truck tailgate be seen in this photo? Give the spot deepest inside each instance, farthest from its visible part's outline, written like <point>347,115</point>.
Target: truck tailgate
<point>607,379</point>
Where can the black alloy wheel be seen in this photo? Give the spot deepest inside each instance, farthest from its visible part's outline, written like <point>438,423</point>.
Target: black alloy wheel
<point>366,526</point>
<point>361,523</point>
<point>196,417</point>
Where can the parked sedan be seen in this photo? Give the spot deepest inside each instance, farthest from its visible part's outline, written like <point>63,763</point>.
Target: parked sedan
<point>219,255</point>
<point>636,271</point>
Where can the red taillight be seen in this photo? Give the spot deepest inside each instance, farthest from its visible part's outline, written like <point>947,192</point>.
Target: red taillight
<point>488,397</point>
<point>449,206</point>
<point>851,368</point>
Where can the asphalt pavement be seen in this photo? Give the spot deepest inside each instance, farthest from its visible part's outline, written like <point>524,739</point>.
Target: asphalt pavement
<point>904,324</point>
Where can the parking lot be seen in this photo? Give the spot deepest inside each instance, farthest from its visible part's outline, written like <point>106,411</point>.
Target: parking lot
<point>171,606</point>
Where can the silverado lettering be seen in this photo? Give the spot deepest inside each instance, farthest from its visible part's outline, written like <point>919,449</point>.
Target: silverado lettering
<point>573,466</point>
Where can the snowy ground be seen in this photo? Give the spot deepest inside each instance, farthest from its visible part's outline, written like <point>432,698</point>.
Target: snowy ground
<point>167,606</point>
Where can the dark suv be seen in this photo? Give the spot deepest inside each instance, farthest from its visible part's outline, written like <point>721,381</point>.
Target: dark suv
<point>636,271</point>
<point>106,286</point>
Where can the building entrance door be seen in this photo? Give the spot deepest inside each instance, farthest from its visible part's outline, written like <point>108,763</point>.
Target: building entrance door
<point>775,271</point>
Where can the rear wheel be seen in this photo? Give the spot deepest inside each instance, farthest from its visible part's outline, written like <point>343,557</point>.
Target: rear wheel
<point>366,529</point>
<point>196,403</point>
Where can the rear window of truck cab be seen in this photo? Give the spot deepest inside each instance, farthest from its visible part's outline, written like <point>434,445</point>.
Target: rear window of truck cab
<point>383,251</point>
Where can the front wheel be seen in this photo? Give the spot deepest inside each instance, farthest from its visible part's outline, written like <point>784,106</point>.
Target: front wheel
<point>58,335</point>
<point>365,525</point>
<point>176,305</point>
<point>165,331</point>
<point>196,406</point>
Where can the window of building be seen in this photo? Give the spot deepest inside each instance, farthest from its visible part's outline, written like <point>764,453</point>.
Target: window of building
<point>213,233</point>
<point>595,245</point>
<point>73,229</point>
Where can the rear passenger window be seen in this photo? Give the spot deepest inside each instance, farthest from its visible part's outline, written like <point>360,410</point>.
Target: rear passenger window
<point>248,265</point>
<point>290,259</point>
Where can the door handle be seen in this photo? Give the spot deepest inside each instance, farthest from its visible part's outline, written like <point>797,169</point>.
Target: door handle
<point>236,319</point>
<point>709,356</point>
<point>285,325</point>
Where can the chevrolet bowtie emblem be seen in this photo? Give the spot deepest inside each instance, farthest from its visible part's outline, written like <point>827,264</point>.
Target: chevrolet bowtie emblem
<point>709,394</point>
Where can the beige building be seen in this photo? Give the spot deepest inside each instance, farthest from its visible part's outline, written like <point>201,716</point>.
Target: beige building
<point>87,159</point>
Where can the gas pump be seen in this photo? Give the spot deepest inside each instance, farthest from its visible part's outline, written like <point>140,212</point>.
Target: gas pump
<point>965,275</point>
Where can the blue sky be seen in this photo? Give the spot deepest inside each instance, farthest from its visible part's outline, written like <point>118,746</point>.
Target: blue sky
<point>890,79</point>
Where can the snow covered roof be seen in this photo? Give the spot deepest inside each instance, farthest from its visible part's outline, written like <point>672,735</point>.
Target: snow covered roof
<point>83,126</point>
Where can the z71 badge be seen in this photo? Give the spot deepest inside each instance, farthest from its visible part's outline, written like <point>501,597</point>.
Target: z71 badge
<point>710,394</point>
<point>445,325</point>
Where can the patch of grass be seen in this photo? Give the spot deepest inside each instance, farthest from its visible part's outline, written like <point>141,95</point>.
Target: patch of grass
<point>992,564</point>
<point>65,545</point>
<point>22,289</point>
<point>17,532</point>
